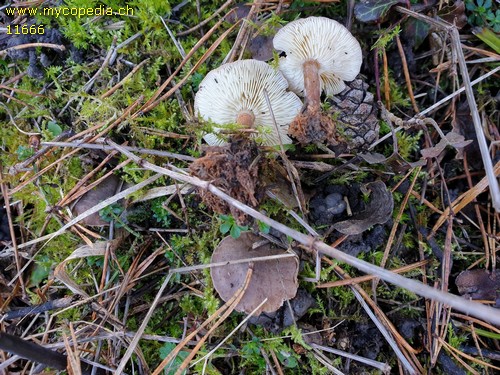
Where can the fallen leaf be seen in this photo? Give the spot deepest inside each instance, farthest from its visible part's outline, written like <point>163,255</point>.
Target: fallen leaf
<point>395,161</point>
<point>451,139</point>
<point>374,10</point>
<point>454,13</point>
<point>261,47</point>
<point>274,279</point>
<point>378,211</point>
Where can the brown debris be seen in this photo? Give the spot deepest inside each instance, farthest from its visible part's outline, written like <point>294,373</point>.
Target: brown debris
<point>479,284</point>
<point>231,167</point>
<point>312,126</point>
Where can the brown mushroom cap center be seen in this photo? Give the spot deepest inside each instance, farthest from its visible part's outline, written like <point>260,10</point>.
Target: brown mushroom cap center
<point>246,118</point>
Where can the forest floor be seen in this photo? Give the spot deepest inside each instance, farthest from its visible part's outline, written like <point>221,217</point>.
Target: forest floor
<point>114,210</point>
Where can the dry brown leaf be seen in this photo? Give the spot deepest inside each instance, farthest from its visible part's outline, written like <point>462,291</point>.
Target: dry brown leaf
<point>451,139</point>
<point>274,279</point>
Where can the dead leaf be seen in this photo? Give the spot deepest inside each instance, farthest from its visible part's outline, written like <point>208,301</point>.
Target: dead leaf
<point>261,47</point>
<point>378,211</point>
<point>454,13</point>
<point>451,139</point>
<point>395,161</point>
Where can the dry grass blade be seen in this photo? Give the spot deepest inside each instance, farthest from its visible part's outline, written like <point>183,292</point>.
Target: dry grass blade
<point>6,199</point>
<point>397,220</point>
<point>457,353</point>
<point>133,344</point>
<point>360,279</point>
<point>243,322</point>
<point>97,208</point>
<point>225,310</point>
<point>476,120</point>
<point>74,366</point>
<point>384,367</point>
<point>405,353</point>
<point>464,199</point>
<point>97,249</point>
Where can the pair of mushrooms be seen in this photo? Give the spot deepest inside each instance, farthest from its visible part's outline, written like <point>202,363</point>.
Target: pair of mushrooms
<point>320,55</point>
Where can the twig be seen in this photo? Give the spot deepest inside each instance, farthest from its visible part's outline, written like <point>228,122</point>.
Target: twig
<point>103,147</point>
<point>33,310</point>
<point>384,367</point>
<point>59,47</point>
<point>239,261</point>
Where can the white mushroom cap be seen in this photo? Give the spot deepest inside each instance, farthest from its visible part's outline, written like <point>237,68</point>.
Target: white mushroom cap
<point>239,87</point>
<point>324,40</point>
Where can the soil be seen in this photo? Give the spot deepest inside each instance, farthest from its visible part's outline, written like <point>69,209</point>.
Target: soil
<point>235,169</point>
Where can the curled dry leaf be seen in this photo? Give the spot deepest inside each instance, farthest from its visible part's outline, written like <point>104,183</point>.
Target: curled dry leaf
<point>274,279</point>
<point>378,211</point>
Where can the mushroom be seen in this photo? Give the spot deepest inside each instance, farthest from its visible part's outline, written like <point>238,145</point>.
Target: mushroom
<point>234,93</point>
<point>320,55</point>
<point>274,279</point>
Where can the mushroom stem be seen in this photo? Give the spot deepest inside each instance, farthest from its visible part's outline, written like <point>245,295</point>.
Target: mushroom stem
<point>312,86</point>
<point>246,119</point>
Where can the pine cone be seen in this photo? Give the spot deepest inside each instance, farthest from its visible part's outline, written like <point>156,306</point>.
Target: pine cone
<point>356,115</point>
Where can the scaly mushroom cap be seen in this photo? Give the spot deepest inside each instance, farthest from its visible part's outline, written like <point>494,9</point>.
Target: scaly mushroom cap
<point>238,88</point>
<point>274,279</point>
<point>324,40</point>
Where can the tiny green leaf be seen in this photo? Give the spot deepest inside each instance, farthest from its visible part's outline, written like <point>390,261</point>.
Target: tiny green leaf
<point>54,128</point>
<point>235,231</point>
<point>225,227</point>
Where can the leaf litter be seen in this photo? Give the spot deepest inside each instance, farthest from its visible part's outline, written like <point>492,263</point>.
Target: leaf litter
<point>449,204</point>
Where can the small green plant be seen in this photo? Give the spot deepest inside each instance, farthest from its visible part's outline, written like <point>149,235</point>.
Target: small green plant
<point>230,225</point>
<point>111,212</point>
<point>386,36</point>
<point>483,13</point>
<point>263,227</point>
<point>176,362</point>
<point>24,152</point>
<point>160,214</point>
